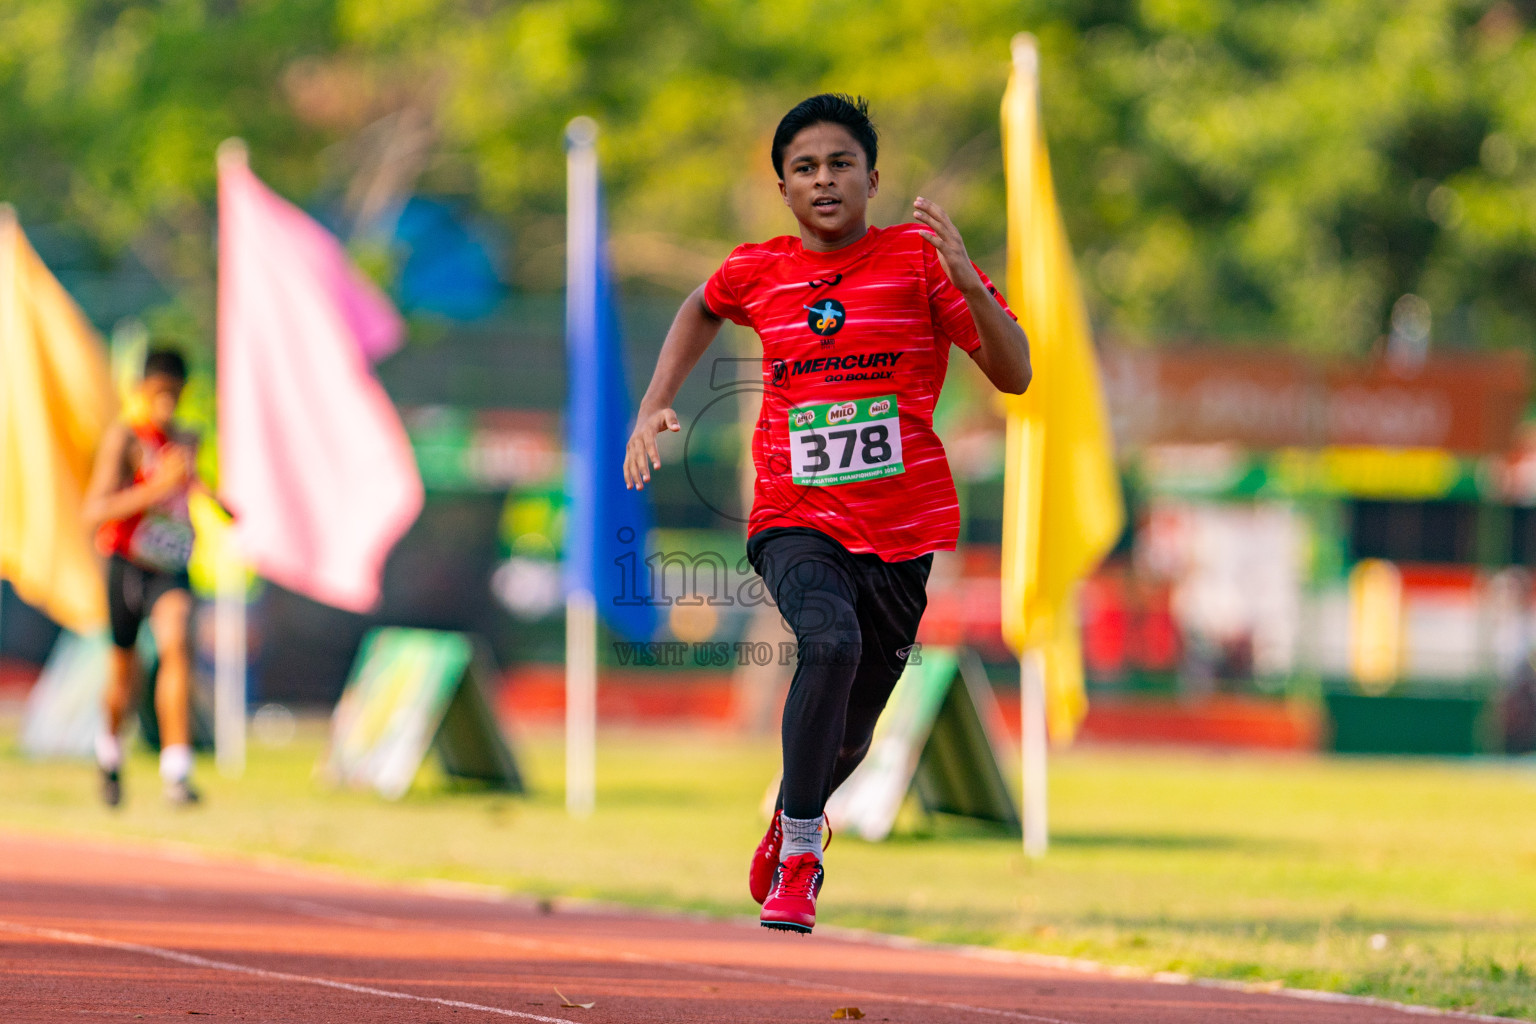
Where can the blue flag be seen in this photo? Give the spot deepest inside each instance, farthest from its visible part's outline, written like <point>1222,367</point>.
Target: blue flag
<point>606,523</point>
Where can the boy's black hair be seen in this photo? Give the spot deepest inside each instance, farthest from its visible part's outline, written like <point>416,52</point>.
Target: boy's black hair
<point>165,362</point>
<point>852,112</point>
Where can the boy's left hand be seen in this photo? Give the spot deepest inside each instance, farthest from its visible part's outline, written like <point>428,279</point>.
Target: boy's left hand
<point>945,237</point>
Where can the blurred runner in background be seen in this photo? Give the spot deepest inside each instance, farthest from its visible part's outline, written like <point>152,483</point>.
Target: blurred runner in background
<point>853,493</point>
<point>137,503</point>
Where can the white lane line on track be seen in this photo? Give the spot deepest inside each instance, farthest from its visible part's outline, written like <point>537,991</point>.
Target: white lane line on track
<point>314,908</point>
<point>82,939</point>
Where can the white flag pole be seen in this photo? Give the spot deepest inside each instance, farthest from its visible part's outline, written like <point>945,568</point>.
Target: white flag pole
<point>1033,738</point>
<point>1035,744</point>
<point>580,605</point>
<point>580,703</point>
<point>229,683</point>
<point>229,610</point>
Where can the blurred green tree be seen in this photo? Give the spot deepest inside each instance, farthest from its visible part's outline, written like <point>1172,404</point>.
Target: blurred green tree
<point>1281,172</point>
<point>110,112</point>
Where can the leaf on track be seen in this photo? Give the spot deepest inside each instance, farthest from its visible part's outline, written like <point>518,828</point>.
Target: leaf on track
<point>567,1004</point>
<point>847,1013</point>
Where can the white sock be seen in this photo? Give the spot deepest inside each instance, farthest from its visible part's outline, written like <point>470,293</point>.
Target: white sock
<point>175,762</point>
<point>801,835</point>
<point>109,751</point>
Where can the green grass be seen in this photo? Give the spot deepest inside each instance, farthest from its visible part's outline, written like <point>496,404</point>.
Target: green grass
<point>1248,867</point>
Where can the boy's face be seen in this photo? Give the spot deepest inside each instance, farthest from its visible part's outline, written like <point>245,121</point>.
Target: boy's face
<point>827,181</point>
<point>161,393</point>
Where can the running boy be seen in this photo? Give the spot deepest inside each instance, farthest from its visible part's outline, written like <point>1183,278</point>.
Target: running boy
<point>853,493</point>
<point>137,503</point>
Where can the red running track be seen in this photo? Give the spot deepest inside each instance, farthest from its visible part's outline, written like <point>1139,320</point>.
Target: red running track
<point>97,932</point>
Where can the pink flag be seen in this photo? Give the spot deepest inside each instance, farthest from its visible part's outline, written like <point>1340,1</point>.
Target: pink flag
<point>314,460</point>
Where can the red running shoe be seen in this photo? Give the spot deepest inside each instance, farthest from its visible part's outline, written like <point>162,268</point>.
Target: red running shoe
<point>760,875</point>
<point>791,906</point>
<point>766,859</point>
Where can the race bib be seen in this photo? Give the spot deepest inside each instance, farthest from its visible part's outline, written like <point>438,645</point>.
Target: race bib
<point>161,542</point>
<point>841,442</point>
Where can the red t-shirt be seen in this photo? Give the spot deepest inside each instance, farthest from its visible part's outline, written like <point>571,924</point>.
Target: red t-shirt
<point>855,347</point>
<point>160,537</point>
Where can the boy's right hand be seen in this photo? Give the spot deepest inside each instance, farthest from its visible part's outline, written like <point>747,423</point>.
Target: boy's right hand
<point>172,472</point>
<point>641,455</point>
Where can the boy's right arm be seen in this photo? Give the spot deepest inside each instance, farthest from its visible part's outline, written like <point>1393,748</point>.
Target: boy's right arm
<point>106,498</point>
<point>692,330</point>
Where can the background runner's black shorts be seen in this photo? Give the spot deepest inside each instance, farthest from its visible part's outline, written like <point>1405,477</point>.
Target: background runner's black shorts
<point>132,591</point>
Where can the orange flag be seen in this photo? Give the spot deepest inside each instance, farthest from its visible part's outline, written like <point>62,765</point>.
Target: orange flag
<point>56,401</point>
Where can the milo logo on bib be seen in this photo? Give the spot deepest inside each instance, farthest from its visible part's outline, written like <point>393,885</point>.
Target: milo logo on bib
<point>861,440</point>
<point>842,413</point>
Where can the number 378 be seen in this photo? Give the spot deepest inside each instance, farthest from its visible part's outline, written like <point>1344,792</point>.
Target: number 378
<point>872,443</point>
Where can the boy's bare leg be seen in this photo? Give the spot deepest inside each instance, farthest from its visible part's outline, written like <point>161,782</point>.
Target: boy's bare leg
<point>173,690</point>
<point>122,683</point>
<point>168,622</point>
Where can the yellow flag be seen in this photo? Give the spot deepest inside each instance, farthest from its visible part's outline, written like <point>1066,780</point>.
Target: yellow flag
<point>1062,505</point>
<point>56,401</point>
<point>214,551</point>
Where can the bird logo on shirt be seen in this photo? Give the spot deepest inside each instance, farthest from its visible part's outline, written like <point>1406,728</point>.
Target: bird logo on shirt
<point>826,318</point>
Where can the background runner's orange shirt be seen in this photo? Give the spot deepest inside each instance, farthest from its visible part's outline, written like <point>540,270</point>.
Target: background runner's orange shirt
<point>871,319</point>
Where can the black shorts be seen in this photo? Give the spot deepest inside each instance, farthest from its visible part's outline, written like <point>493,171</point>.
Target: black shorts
<point>132,591</point>
<point>890,596</point>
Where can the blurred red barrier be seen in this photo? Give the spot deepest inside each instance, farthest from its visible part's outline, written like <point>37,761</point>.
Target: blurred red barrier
<point>535,695</point>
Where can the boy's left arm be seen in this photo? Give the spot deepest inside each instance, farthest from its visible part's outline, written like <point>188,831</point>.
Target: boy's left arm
<point>1004,352</point>
<point>191,441</point>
